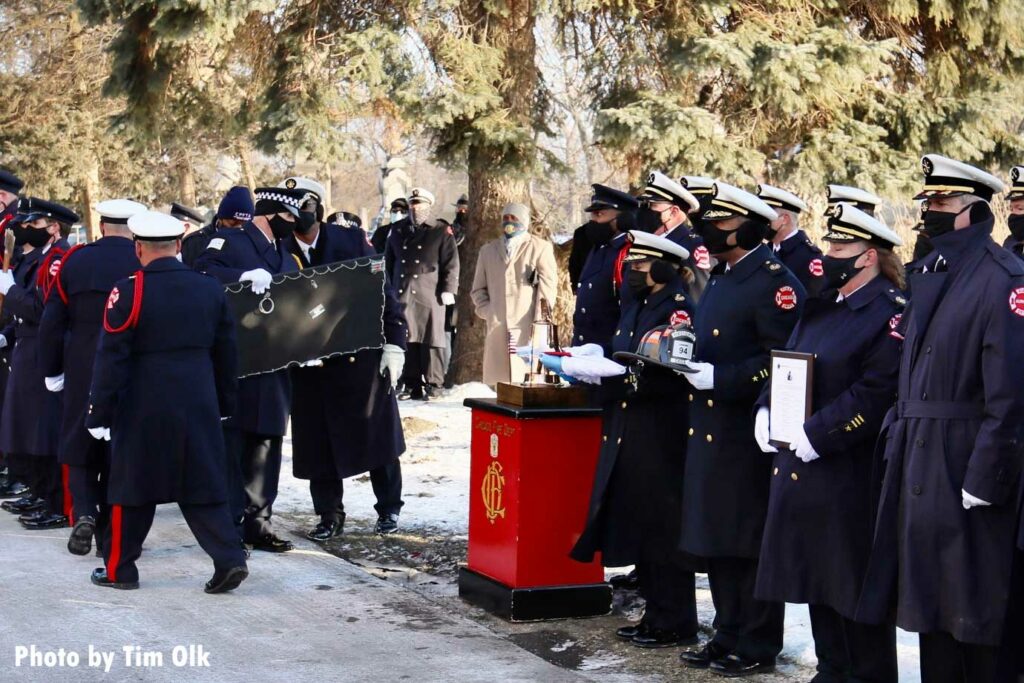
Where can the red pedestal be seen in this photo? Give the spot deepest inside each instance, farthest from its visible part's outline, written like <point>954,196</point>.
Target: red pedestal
<point>531,473</point>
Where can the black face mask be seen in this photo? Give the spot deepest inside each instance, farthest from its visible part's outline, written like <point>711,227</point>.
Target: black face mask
<point>280,227</point>
<point>305,222</point>
<point>715,240</point>
<point>1016,224</point>
<point>637,281</point>
<point>936,223</point>
<point>922,246</point>
<point>598,233</point>
<point>839,271</point>
<point>35,237</point>
<point>648,220</point>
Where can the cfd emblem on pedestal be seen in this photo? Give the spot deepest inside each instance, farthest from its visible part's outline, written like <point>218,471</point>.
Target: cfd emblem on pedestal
<point>491,490</point>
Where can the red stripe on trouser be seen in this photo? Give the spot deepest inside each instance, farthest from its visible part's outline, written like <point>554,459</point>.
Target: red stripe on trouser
<point>115,542</point>
<point>69,509</point>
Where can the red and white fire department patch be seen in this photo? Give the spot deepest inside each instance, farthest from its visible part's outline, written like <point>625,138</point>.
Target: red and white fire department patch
<point>1017,301</point>
<point>679,318</point>
<point>894,324</point>
<point>54,267</point>
<point>785,298</point>
<point>112,299</point>
<point>702,258</point>
<point>815,267</point>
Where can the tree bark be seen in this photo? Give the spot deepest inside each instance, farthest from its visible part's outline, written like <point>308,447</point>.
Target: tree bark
<point>489,190</point>
<point>186,182</point>
<point>244,153</point>
<point>89,192</point>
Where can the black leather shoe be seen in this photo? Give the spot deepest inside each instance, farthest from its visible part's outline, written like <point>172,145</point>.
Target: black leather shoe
<point>271,543</point>
<point>659,637</point>
<point>627,582</point>
<point>386,524</point>
<point>99,577</point>
<point>23,505</point>
<point>702,658</point>
<point>734,666</point>
<point>45,521</point>
<point>404,395</point>
<point>80,541</point>
<point>629,632</point>
<point>225,580</point>
<point>31,516</point>
<point>325,531</point>
<point>12,489</point>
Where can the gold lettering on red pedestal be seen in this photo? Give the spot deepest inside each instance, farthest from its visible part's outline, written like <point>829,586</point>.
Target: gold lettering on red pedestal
<point>491,489</point>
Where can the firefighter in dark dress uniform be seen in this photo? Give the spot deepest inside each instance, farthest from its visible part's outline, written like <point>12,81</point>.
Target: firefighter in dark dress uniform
<point>948,517</point>
<point>598,291</point>
<point>30,425</point>
<point>1015,222</point>
<point>817,538</point>
<point>10,186</point>
<point>68,336</point>
<point>255,253</point>
<point>845,194</point>
<point>749,307</point>
<point>636,503</point>
<point>664,207</point>
<point>165,375</point>
<point>791,245</point>
<point>344,410</point>
<point>234,211</point>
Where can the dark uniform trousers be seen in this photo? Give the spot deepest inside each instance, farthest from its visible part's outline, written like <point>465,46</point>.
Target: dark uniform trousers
<point>850,651</point>
<point>947,660</point>
<point>424,364</point>
<point>88,486</point>
<point>129,526</point>
<point>748,627</point>
<point>669,590</point>
<point>44,477</point>
<point>386,481</point>
<point>254,468</point>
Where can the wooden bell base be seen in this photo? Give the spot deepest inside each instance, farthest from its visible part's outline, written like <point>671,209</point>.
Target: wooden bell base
<point>542,395</point>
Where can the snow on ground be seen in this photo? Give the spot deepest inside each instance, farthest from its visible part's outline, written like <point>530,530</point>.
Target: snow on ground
<point>435,471</point>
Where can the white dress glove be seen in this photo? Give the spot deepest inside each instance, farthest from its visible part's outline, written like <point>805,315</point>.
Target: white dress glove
<point>803,448</point>
<point>585,350</point>
<point>55,384</point>
<point>761,431</point>
<point>973,501</point>
<point>447,298</point>
<point>591,369</point>
<point>3,342</point>
<point>704,377</point>
<point>259,278</point>
<point>392,360</point>
<point>100,433</point>
<point>6,281</point>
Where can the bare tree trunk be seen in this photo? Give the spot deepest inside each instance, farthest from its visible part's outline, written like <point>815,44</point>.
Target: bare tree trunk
<point>89,192</point>
<point>489,191</point>
<point>186,181</point>
<point>244,154</point>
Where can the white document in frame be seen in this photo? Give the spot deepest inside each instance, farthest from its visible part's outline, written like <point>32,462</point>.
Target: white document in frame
<point>789,398</point>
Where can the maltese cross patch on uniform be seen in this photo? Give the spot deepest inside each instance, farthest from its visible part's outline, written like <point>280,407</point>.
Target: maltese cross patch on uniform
<point>1017,301</point>
<point>785,298</point>
<point>816,268</point>
<point>112,299</point>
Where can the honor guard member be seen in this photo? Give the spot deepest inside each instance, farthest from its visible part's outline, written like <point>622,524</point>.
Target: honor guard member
<point>346,219</point>
<point>192,219</point>
<point>68,336</point>
<point>235,210</point>
<point>1015,222</point>
<point>10,187</point>
<point>817,537</point>
<point>398,213</point>
<point>423,265</point>
<point>791,245</point>
<point>597,293</point>
<point>165,375</point>
<point>948,516</point>
<point>750,307</point>
<point>664,207</point>
<point>255,253</point>
<point>344,410</point>
<point>858,198</point>
<point>30,424</point>
<point>636,502</point>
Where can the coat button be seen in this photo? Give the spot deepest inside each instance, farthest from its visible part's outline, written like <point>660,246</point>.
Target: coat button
<point>619,440</point>
<point>691,431</point>
<point>711,404</point>
<point>618,332</point>
<point>775,472</point>
<point>583,310</point>
<point>924,396</point>
<point>403,260</point>
<point>580,336</point>
<point>928,350</point>
<point>351,359</point>
<point>916,490</point>
<point>714,333</point>
<point>920,443</point>
<point>414,291</point>
<point>624,404</point>
<point>604,438</point>
<point>709,438</point>
<point>691,397</point>
<point>417,260</point>
<point>590,285</point>
<point>415,277</point>
<point>400,291</point>
<point>794,476</point>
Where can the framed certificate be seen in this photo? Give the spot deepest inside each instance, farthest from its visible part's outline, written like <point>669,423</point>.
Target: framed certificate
<point>792,376</point>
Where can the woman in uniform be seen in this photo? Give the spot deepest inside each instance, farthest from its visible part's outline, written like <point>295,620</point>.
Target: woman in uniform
<point>821,510</point>
<point>635,506</point>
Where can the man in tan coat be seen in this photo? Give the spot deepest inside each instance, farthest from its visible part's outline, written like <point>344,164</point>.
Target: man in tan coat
<point>513,273</point>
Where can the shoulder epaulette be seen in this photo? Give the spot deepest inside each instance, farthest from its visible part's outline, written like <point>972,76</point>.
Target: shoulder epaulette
<point>1013,265</point>
<point>774,267</point>
<point>133,317</point>
<point>896,296</point>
